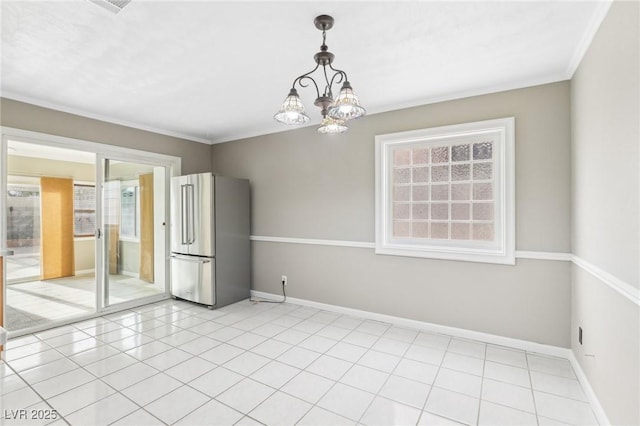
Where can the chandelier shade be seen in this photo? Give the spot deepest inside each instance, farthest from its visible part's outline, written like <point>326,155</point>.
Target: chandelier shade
<point>331,125</point>
<point>292,110</point>
<point>347,105</point>
<point>335,112</point>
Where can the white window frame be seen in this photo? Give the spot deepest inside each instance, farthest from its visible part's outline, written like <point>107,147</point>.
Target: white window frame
<point>502,249</point>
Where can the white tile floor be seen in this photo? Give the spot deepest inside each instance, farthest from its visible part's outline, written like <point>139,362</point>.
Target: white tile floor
<point>177,363</point>
<point>38,303</point>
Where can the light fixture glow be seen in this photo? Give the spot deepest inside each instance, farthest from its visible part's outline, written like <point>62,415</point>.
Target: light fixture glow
<point>331,125</point>
<point>345,107</point>
<point>292,110</point>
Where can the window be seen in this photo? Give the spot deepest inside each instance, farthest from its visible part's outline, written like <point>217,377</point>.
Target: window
<point>130,211</point>
<point>447,192</point>
<point>84,210</point>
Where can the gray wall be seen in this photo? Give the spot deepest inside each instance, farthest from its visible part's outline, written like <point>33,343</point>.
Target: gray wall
<point>195,156</point>
<point>306,185</point>
<point>606,134</point>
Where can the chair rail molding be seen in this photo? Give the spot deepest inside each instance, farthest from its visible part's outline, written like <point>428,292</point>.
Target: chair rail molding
<point>625,289</point>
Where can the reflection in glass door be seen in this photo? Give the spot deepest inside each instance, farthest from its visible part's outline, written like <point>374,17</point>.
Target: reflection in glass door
<point>51,277</point>
<point>133,219</point>
<point>23,228</point>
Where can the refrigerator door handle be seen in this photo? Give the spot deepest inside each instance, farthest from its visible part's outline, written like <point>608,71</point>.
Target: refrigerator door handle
<point>185,215</point>
<point>192,228</point>
<point>191,259</point>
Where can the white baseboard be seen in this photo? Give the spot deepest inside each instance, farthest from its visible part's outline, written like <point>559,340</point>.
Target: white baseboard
<point>462,333</point>
<point>601,415</point>
<point>85,271</point>
<point>426,326</point>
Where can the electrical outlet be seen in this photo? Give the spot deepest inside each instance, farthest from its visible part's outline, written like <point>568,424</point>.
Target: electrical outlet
<point>284,280</point>
<point>580,335</point>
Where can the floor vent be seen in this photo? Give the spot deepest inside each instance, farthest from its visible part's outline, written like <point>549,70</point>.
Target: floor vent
<point>114,6</point>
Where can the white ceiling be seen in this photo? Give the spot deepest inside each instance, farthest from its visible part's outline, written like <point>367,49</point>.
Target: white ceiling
<point>215,71</point>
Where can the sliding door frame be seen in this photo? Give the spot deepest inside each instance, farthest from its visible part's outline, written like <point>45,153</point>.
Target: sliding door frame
<point>101,251</point>
<point>173,167</point>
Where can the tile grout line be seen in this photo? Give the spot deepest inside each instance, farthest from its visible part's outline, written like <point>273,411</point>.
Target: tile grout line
<point>484,367</point>
<point>39,396</point>
<point>82,367</point>
<point>249,328</point>
<point>315,404</point>
<point>434,381</point>
<point>533,397</point>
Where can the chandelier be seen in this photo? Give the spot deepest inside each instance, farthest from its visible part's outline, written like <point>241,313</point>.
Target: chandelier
<point>335,112</point>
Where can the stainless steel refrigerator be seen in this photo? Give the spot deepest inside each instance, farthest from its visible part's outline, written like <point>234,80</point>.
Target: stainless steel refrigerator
<point>210,249</point>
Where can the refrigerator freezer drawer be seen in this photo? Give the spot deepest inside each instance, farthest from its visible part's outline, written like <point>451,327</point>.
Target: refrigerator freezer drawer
<point>193,278</point>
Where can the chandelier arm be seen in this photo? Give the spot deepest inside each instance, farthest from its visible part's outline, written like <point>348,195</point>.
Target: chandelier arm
<point>304,76</point>
<point>344,74</point>
<point>339,73</point>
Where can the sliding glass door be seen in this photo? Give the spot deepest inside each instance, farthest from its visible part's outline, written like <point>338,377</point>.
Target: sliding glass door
<point>87,224</point>
<point>50,228</point>
<point>134,197</point>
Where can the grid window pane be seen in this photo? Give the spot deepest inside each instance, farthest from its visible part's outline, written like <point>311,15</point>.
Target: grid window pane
<point>482,211</point>
<point>482,231</point>
<point>440,192</point>
<point>401,157</point>
<point>401,175</point>
<point>482,191</point>
<point>421,156</point>
<point>482,171</point>
<point>460,211</point>
<point>440,211</point>
<point>420,230</point>
<point>402,193</point>
<point>401,229</point>
<point>460,191</point>
<point>420,174</point>
<point>460,231</point>
<point>84,210</point>
<point>482,151</point>
<point>420,211</point>
<point>443,192</point>
<point>460,153</point>
<point>440,173</point>
<point>440,230</point>
<point>460,172</point>
<point>401,210</point>
<point>420,192</point>
<point>440,154</point>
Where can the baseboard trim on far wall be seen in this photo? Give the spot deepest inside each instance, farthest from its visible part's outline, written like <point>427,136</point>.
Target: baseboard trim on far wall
<point>424,326</point>
<point>461,333</point>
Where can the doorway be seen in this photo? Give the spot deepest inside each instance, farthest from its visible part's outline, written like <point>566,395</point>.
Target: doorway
<point>87,226</point>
